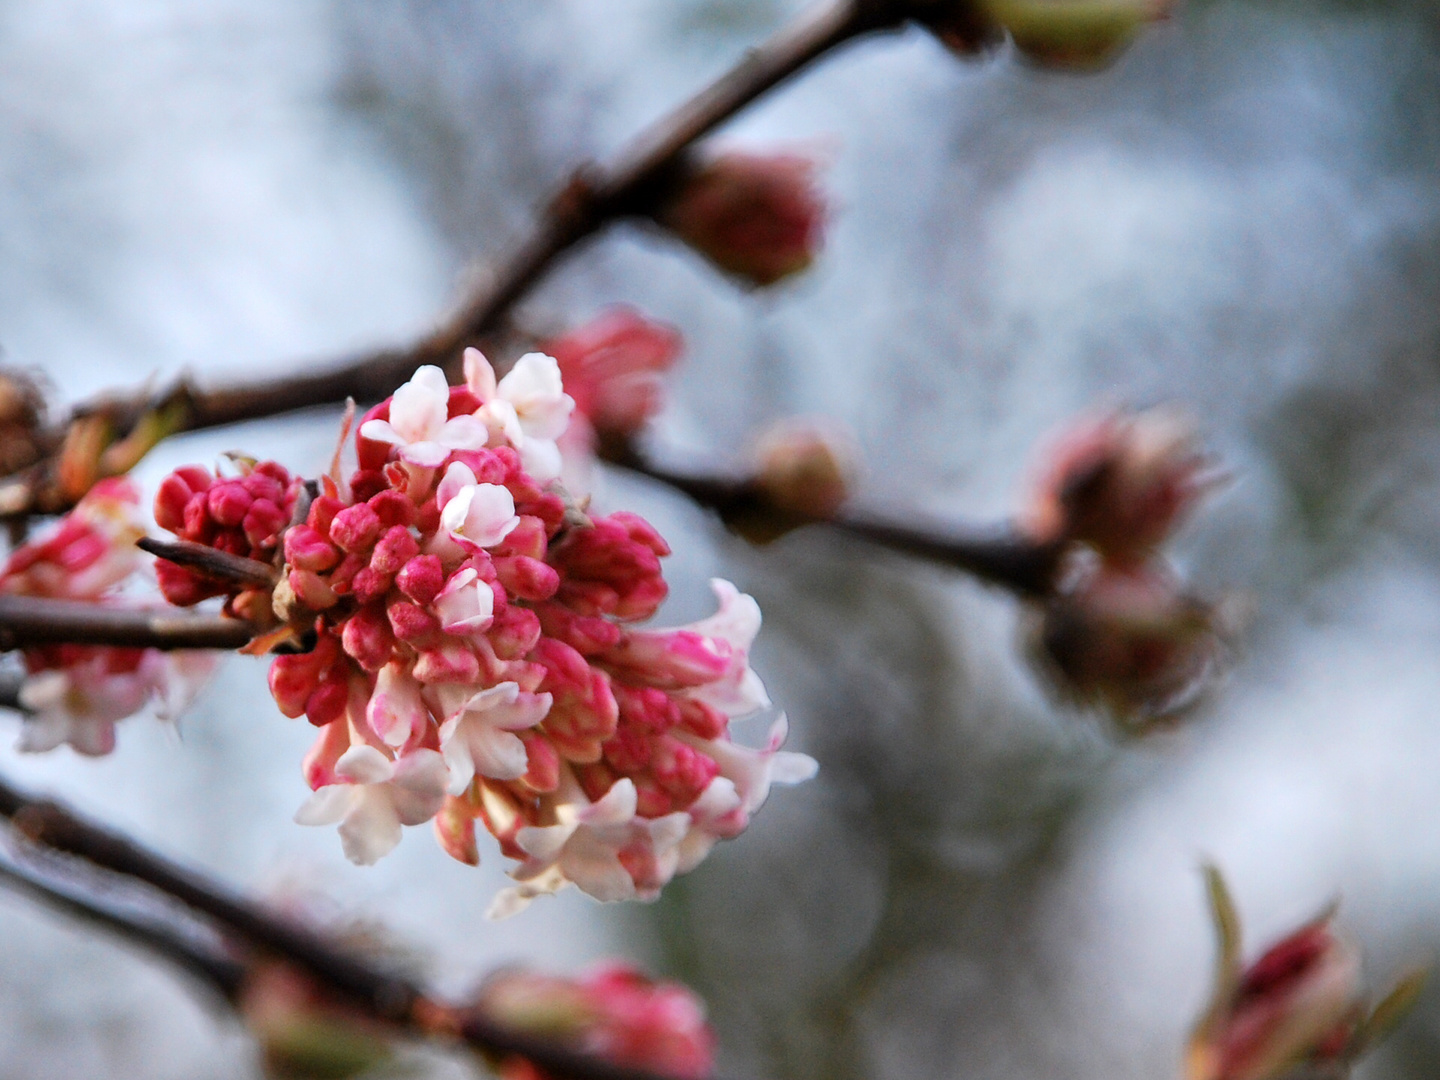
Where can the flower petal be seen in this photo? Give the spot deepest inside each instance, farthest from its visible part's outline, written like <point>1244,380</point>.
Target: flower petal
<point>364,765</point>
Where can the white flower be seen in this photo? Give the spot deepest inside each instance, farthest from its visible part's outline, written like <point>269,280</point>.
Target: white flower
<point>475,515</point>
<point>739,691</point>
<point>467,603</point>
<point>724,808</point>
<point>380,796</point>
<point>528,407</point>
<point>395,711</point>
<point>417,423</point>
<point>478,733</point>
<point>585,846</point>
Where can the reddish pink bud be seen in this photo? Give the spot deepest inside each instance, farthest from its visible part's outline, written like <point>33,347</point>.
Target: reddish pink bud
<point>327,703</point>
<point>368,639</point>
<point>263,523</point>
<point>527,540</point>
<point>612,568</point>
<point>355,528</point>
<point>647,709</point>
<point>455,829</point>
<point>392,508</point>
<point>306,549</point>
<point>319,764</point>
<point>394,550</point>
<point>612,367</point>
<point>701,720</point>
<point>368,584</point>
<point>587,634</point>
<point>1121,483</point>
<point>228,501</point>
<point>322,513</point>
<point>542,771</point>
<point>583,713</point>
<point>759,217</point>
<point>681,770</point>
<point>527,578</point>
<point>628,750</point>
<point>181,587</point>
<point>450,662</point>
<point>421,579</point>
<point>514,632</point>
<point>806,467</point>
<point>411,622</point>
<point>175,493</point>
<point>652,801</point>
<point>292,680</point>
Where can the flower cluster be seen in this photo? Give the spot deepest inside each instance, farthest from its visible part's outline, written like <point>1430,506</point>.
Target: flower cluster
<point>614,1012</point>
<point>1299,1010</point>
<point>76,694</point>
<point>476,658</point>
<point>1118,629</point>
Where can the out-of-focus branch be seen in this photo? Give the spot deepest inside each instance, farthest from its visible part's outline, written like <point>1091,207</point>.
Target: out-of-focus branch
<point>109,435</point>
<point>378,994</point>
<point>1000,556</point>
<point>28,620</point>
<point>222,973</point>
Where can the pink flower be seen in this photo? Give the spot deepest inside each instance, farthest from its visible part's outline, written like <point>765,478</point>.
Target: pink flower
<point>612,367</point>
<point>478,735</point>
<point>475,515</point>
<point>759,217</point>
<point>373,796</point>
<point>89,552</point>
<point>529,407</point>
<point>467,603</point>
<point>418,425</point>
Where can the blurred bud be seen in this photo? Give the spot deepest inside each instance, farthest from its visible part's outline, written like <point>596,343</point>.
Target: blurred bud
<point>303,1034</point>
<point>759,217</point>
<point>1131,641</point>
<point>1298,1010</point>
<point>1121,483</point>
<point>612,367</point>
<point>22,410</point>
<point>614,1012</point>
<point>1074,34</point>
<point>806,467</point>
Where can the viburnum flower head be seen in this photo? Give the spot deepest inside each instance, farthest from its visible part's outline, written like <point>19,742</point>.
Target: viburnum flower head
<point>476,657</point>
<point>1298,1010</point>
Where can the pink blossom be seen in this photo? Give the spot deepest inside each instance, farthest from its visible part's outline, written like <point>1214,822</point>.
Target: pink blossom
<point>478,737</point>
<point>528,407</point>
<point>373,796</point>
<point>475,515</point>
<point>89,552</point>
<point>418,423</point>
<point>466,604</point>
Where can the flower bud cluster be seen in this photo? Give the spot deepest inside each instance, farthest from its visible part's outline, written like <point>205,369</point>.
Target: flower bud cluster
<point>476,658</point>
<point>615,1012</point>
<point>1118,629</point>
<point>76,694</point>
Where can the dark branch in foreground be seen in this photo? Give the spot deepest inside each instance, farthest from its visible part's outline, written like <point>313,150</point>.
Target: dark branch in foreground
<point>29,620</point>
<point>1000,556</point>
<point>212,562</point>
<point>378,994</point>
<point>633,185</point>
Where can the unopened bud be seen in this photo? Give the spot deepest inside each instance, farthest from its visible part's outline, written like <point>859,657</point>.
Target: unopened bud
<point>806,467</point>
<point>759,217</point>
<point>1074,34</point>
<point>612,367</point>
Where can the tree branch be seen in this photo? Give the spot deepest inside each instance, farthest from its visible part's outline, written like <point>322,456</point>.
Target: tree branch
<point>632,185</point>
<point>999,555</point>
<point>29,620</point>
<point>212,562</point>
<point>378,994</point>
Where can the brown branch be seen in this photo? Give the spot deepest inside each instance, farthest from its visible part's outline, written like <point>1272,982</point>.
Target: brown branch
<point>632,185</point>
<point>212,562</point>
<point>28,620</point>
<point>999,555</point>
<point>379,994</point>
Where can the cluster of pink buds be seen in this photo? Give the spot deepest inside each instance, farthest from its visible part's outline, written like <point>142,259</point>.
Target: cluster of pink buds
<point>476,658</point>
<point>614,1012</point>
<point>611,367</point>
<point>760,217</point>
<point>1118,629</point>
<point>76,694</point>
<point>1298,1011</point>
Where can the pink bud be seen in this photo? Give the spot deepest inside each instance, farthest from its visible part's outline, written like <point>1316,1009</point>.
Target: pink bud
<point>292,680</point>
<point>368,639</point>
<point>527,578</point>
<point>806,467</point>
<point>228,501</point>
<point>514,632</point>
<point>395,548</point>
<point>392,508</point>
<point>583,712</point>
<point>587,634</point>
<point>175,493</point>
<point>421,579</point>
<point>411,622</point>
<point>181,587</point>
<point>759,217</point>
<point>702,720</point>
<point>327,703</point>
<point>306,549</point>
<point>355,528</point>
<point>451,662</point>
<point>322,513</point>
<point>263,523</point>
<point>542,772</point>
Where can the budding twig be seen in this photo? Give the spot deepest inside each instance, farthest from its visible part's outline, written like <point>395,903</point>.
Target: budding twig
<point>1000,556</point>
<point>378,994</point>
<point>28,620</point>
<point>632,185</point>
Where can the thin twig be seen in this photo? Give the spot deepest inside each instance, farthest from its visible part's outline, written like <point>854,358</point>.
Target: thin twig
<point>380,995</point>
<point>634,184</point>
<point>222,973</point>
<point>30,620</point>
<point>212,562</point>
<point>999,555</point>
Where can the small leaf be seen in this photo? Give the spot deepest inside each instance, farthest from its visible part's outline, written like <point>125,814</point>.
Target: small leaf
<point>1392,1008</point>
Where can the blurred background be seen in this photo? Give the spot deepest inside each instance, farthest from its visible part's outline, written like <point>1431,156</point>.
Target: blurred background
<point>1242,216</point>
